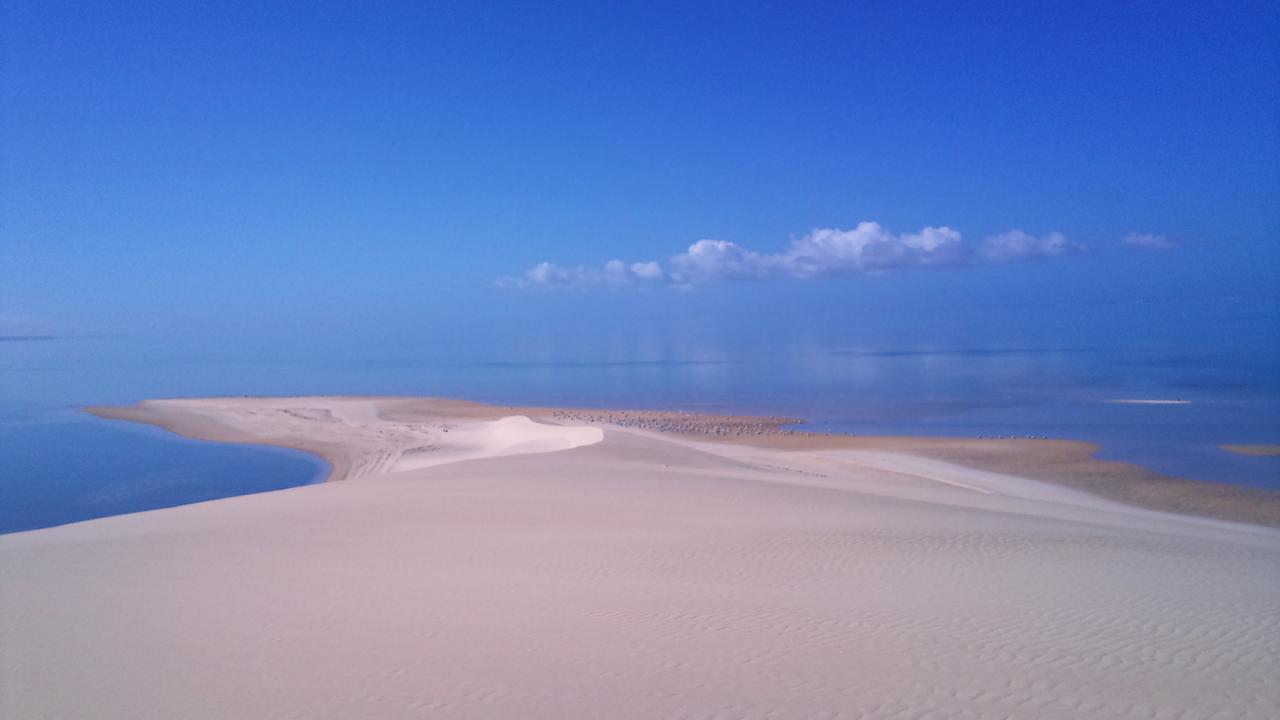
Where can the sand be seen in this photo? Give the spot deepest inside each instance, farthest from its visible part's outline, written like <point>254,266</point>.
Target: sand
<point>482,562</point>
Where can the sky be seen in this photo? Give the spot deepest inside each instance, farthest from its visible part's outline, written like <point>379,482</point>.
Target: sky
<point>523,174</point>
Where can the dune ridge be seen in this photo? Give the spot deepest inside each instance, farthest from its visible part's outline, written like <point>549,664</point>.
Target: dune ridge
<point>630,574</point>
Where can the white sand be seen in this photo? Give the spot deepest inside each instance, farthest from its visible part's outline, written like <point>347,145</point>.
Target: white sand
<point>567,572</point>
<point>511,435</point>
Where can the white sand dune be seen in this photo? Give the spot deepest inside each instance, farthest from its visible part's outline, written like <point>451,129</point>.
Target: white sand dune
<point>626,574</point>
<point>512,435</point>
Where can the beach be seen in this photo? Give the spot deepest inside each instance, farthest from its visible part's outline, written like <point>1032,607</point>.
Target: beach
<point>469,560</point>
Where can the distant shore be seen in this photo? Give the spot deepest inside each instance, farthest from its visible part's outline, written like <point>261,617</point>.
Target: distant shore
<point>1254,450</point>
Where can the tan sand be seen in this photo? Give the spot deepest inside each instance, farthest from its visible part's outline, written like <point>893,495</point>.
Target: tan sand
<point>556,572</point>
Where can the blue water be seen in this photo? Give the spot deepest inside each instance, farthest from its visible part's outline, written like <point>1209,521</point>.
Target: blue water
<point>81,468</point>
<point>59,465</point>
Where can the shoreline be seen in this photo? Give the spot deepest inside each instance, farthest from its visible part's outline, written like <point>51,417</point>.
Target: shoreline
<point>1256,450</point>
<point>203,429</point>
<point>323,467</point>
<point>1065,463</point>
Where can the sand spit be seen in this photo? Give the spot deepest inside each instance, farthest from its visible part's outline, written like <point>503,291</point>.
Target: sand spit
<point>646,574</point>
<point>361,437</point>
<point>367,436</point>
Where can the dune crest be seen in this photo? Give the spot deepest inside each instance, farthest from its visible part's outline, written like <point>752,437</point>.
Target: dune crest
<point>511,435</point>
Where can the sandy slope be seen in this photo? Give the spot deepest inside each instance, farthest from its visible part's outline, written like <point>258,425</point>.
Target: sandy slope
<point>640,576</point>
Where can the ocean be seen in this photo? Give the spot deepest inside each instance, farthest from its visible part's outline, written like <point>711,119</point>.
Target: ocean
<point>58,464</point>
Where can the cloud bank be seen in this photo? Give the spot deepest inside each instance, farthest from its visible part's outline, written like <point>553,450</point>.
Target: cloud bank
<point>824,252</point>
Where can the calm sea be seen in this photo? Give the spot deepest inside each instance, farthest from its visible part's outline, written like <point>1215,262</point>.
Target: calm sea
<point>60,465</point>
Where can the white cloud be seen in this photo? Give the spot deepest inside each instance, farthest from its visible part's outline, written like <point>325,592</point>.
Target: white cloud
<point>614,273</point>
<point>1017,245</point>
<point>823,252</point>
<point>870,248</point>
<point>1148,241</point>
<point>720,260</point>
<point>650,271</point>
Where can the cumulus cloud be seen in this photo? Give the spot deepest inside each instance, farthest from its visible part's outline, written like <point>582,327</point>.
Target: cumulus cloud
<point>871,248</point>
<point>721,260</point>
<point>1017,245</point>
<point>614,273</point>
<point>1148,241</point>
<point>650,271</point>
<point>825,252</point>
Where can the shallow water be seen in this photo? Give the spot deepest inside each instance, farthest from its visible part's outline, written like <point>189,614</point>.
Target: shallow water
<point>82,468</point>
<point>58,464</point>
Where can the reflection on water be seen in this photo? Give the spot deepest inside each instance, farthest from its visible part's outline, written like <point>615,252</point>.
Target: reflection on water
<point>1002,390</point>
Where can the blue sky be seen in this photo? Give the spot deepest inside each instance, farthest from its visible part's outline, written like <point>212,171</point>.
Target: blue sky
<point>258,169</point>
